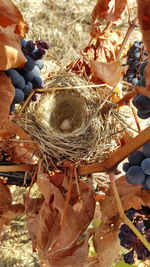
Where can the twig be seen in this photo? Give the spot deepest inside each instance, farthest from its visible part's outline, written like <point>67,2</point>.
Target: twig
<point>136,119</point>
<point>68,194</point>
<point>107,27</point>
<point>123,217</point>
<point>132,25</point>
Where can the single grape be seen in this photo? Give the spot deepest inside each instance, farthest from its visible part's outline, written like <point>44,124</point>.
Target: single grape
<point>140,226</point>
<point>37,82</point>
<point>38,53</point>
<point>39,63</point>
<point>130,213</point>
<point>30,46</point>
<point>143,115</point>
<point>135,175</point>
<point>129,257</point>
<point>146,149</point>
<point>43,44</point>
<point>136,157</point>
<point>28,89</point>
<point>135,81</point>
<point>29,65</point>
<point>145,165</point>
<point>28,76</point>
<point>142,103</point>
<point>15,77</point>
<point>126,166</point>
<point>23,43</point>
<point>19,96</point>
<point>36,71</point>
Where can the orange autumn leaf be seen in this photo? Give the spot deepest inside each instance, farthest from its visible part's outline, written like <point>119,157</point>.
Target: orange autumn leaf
<point>9,14</point>
<point>108,72</point>
<point>109,10</point>
<point>7,92</point>
<point>11,54</point>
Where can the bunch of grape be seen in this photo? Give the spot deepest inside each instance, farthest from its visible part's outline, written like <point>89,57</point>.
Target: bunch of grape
<point>136,61</point>
<point>138,167</point>
<point>28,78</point>
<point>141,219</point>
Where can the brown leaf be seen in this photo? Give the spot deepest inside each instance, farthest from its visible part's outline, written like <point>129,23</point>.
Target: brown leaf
<point>7,94</point>
<point>109,10</point>
<point>109,72</point>
<point>11,54</point>
<point>106,244</point>
<point>58,243</point>
<point>9,14</point>
<point>132,196</point>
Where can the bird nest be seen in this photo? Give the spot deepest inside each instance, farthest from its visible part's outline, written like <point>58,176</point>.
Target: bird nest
<point>72,120</point>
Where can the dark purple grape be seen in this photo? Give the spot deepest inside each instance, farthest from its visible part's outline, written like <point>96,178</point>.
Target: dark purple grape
<point>130,213</point>
<point>142,252</point>
<point>129,257</point>
<point>29,65</point>
<point>142,81</point>
<point>126,166</point>
<point>19,96</point>
<point>28,76</point>
<point>142,103</point>
<point>23,43</point>
<point>135,175</point>
<point>30,46</point>
<point>147,181</point>
<point>140,226</point>
<point>43,44</point>
<point>144,185</point>
<point>145,165</point>
<point>39,63</point>
<point>135,81</point>
<point>143,115</point>
<point>28,89</point>
<point>146,149</point>
<point>15,77</point>
<point>38,53</point>
<point>136,157</point>
<point>36,71</point>
<point>37,82</point>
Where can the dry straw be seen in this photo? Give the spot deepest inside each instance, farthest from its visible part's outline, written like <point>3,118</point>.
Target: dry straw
<point>94,123</point>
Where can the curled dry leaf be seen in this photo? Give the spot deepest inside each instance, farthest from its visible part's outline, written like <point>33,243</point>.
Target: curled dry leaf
<point>109,72</point>
<point>109,10</point>
<point>11,54</point>
<point>9,14</point>
<point>132,196</point>
<point>106,243</point>
<point>58,244</point>
<point>7,94</point>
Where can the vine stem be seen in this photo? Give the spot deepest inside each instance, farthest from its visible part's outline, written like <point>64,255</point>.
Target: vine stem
<point>131,27</point>
<point>123,217</point>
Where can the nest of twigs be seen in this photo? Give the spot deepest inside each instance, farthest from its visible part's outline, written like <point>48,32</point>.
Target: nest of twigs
<point>75,122</point>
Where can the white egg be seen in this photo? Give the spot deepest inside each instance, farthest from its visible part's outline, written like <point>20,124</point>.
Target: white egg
<point>65,125</point>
